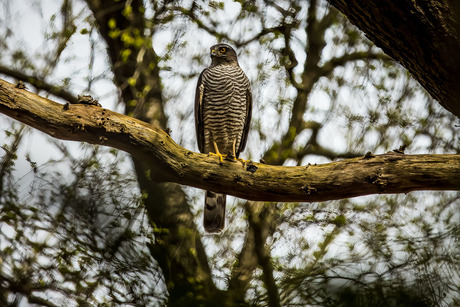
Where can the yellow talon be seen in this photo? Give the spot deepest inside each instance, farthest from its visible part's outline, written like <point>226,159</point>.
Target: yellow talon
<point>243,161</point>
<point>231,156</point>
<point>221,157</point>
<point>217,153</point>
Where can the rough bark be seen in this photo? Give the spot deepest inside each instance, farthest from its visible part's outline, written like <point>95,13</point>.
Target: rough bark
<point>422,35</point>
<point>387,173</point>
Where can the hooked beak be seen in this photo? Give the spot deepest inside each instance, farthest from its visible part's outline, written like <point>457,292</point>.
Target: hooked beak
<point>213,53</point>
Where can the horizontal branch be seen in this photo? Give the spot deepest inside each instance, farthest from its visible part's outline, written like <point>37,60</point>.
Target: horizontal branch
<point>387,173</point>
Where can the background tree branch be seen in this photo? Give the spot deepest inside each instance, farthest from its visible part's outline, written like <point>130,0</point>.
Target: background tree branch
<point>263,255</point>
<point>243,270</point>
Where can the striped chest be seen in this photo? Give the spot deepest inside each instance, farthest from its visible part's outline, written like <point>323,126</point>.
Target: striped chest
<point>225,89</point>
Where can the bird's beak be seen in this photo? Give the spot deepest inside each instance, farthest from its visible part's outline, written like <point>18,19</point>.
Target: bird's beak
<point>213,53</point>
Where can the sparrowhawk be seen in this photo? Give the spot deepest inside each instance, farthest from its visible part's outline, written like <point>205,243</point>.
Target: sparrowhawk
<point>223,103</point>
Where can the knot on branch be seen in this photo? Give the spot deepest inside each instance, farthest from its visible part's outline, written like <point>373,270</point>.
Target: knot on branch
<point>103,139</point>
<point>401,149</point>
<point>369,155</point>
<point>87,99</point>
<point>251,167</point>
<point>79,127</point>
<point>20,85</point>
<point>379,180</point>
<point>308,190</point>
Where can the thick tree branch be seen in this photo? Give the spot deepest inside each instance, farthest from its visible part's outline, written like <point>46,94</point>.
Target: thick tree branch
<point>422,35</point>
<point>137,75</point>
<point>388,173</point>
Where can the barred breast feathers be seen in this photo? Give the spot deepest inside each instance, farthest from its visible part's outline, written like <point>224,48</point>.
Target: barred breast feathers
<point>224,104</point>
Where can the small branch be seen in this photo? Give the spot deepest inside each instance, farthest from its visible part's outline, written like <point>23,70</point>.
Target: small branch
<point>373,174</point>
<point>190,13</point>
<point>39,84</point>
<point>335,62</point>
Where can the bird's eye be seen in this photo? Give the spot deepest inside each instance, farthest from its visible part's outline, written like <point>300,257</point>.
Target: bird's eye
<point>223,49</point>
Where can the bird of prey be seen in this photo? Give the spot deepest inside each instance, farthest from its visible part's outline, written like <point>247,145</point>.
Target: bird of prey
<point>223,103</point>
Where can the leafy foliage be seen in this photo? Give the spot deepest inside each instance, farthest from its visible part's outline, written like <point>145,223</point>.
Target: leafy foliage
<point>78,235</point>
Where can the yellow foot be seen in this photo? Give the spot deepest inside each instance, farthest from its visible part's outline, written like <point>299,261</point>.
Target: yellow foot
<point>221,157</point>
<point>243,161</point>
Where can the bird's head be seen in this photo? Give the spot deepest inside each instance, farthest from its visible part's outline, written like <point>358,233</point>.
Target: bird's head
<point>223,54</point>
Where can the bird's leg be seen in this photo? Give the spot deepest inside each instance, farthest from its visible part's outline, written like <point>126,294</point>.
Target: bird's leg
<point>234,154</point>
<point>231,156</point>
<point>217,153</point>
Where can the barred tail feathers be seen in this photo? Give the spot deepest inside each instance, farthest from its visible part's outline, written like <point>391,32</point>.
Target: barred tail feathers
<point>214,211</point>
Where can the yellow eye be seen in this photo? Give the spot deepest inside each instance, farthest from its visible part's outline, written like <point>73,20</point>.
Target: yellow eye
<point>223,49</point>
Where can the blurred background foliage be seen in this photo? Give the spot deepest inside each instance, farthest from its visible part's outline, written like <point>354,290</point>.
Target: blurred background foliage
<point>73,223</point>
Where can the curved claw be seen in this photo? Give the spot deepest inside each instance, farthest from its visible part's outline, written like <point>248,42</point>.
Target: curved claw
<point>242,160</point>
<point>221,157</point>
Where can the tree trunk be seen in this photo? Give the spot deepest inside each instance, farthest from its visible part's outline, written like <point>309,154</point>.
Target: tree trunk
<point>178,248</point>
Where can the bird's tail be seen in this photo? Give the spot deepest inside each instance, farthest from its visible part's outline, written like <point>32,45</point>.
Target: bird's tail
<point>214,211</point>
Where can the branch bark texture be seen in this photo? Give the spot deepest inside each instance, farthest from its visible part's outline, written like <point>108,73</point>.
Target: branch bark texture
<point>381,174</point>
<point>424,36</point>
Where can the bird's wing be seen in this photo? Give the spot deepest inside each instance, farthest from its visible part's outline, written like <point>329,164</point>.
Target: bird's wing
<point>199,112</point>
<point>244,136</point>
